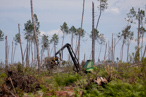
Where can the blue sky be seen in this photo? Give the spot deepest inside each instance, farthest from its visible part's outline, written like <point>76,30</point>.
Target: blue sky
<point>52,14</point>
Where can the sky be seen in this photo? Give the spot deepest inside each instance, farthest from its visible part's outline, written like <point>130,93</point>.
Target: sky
<point>52,13</point>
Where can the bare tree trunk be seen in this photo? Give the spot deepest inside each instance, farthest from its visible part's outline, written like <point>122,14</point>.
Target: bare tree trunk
<point>128,51</point>
<point>63,39</point>
<point>27,63</point>
<point>38,57</point>
<point>54,48</point>
<point>80,32</point>
<point>6,49</point>
<point>71,46</point>
<point>48,51</point>
<point>108,50</point>
<point>138,31</point>
<point>114,47</point>
<point>35,53</point>
<point>112,50</point>
<point>31,51</point>
<point>84,57</point>
<point>72,40</point>
<point>12,54</point>
<point>21,45</point>
<point>121,54</point>
<point>93,34</point>
<point>144,52</point>
<point>99,16</point>
<point>142,43</point>
<point>99,52</point>
<point>42,51</point>
<point>76,48</point>
<point>105,50</point>
<point>62,45</point>
<point>6,53</point>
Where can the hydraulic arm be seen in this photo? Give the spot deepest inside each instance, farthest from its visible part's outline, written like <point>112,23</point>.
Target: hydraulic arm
<point>72,54</point>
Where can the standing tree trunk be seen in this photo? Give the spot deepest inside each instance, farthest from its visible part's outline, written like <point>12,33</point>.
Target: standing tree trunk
<point>80,32</point>
<point>42,52</point>
<point>72,40</point>
<point>31,51</point>
<point>6,53</point>
<point>54,48</point>
<point>99,16</point>
<point>63,39</point>
<point>113,49</point>
<point>128,51</point>
<point>138,31</point>
<point>27,61</point>
<point>121,54</point>
<point>48,52</point>
<point>93,34</point>
<point>12,54</point>
<point>108,50</point>
<point>105,50</point>
<point>38,57</point>
<point>99,52</point>
<point>144,53</point>
<point>142,43</point>
<point>71,46</point>
<point>21,46</point>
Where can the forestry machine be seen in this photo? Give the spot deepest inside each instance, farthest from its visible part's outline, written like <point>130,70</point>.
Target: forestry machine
<point>55,60</point>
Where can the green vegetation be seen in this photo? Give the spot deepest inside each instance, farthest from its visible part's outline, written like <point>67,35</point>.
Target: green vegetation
<point>125,80</point>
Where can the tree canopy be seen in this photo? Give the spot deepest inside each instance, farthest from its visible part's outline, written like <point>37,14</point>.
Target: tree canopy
<point>28,28</point>
<point>1,35</point>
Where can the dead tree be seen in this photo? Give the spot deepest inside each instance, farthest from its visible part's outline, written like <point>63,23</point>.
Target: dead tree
<point>78,47</point>
<point>105,50</point>
<point>21,45</point>
<point>93,34</point>
<point>38,57</point>
<point>6,53</point>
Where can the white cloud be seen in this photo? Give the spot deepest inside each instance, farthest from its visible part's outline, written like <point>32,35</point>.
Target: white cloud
<point>124,5</point>
<point>50,33</point>
<point>113,10</point>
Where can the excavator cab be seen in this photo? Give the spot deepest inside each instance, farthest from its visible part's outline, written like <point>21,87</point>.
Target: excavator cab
<point>89,66</point>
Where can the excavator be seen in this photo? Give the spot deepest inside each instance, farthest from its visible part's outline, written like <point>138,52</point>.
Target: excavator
<point>56,60</point>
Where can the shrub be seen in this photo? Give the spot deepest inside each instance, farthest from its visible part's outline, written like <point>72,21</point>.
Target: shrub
<point>121,89</point>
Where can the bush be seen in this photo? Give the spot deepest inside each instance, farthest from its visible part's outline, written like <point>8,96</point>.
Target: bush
<point>116,89</point>
<point>121,89</point>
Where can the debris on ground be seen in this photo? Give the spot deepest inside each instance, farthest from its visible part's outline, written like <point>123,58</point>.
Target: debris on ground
<point>100,81</point>
<point>17,81</point>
